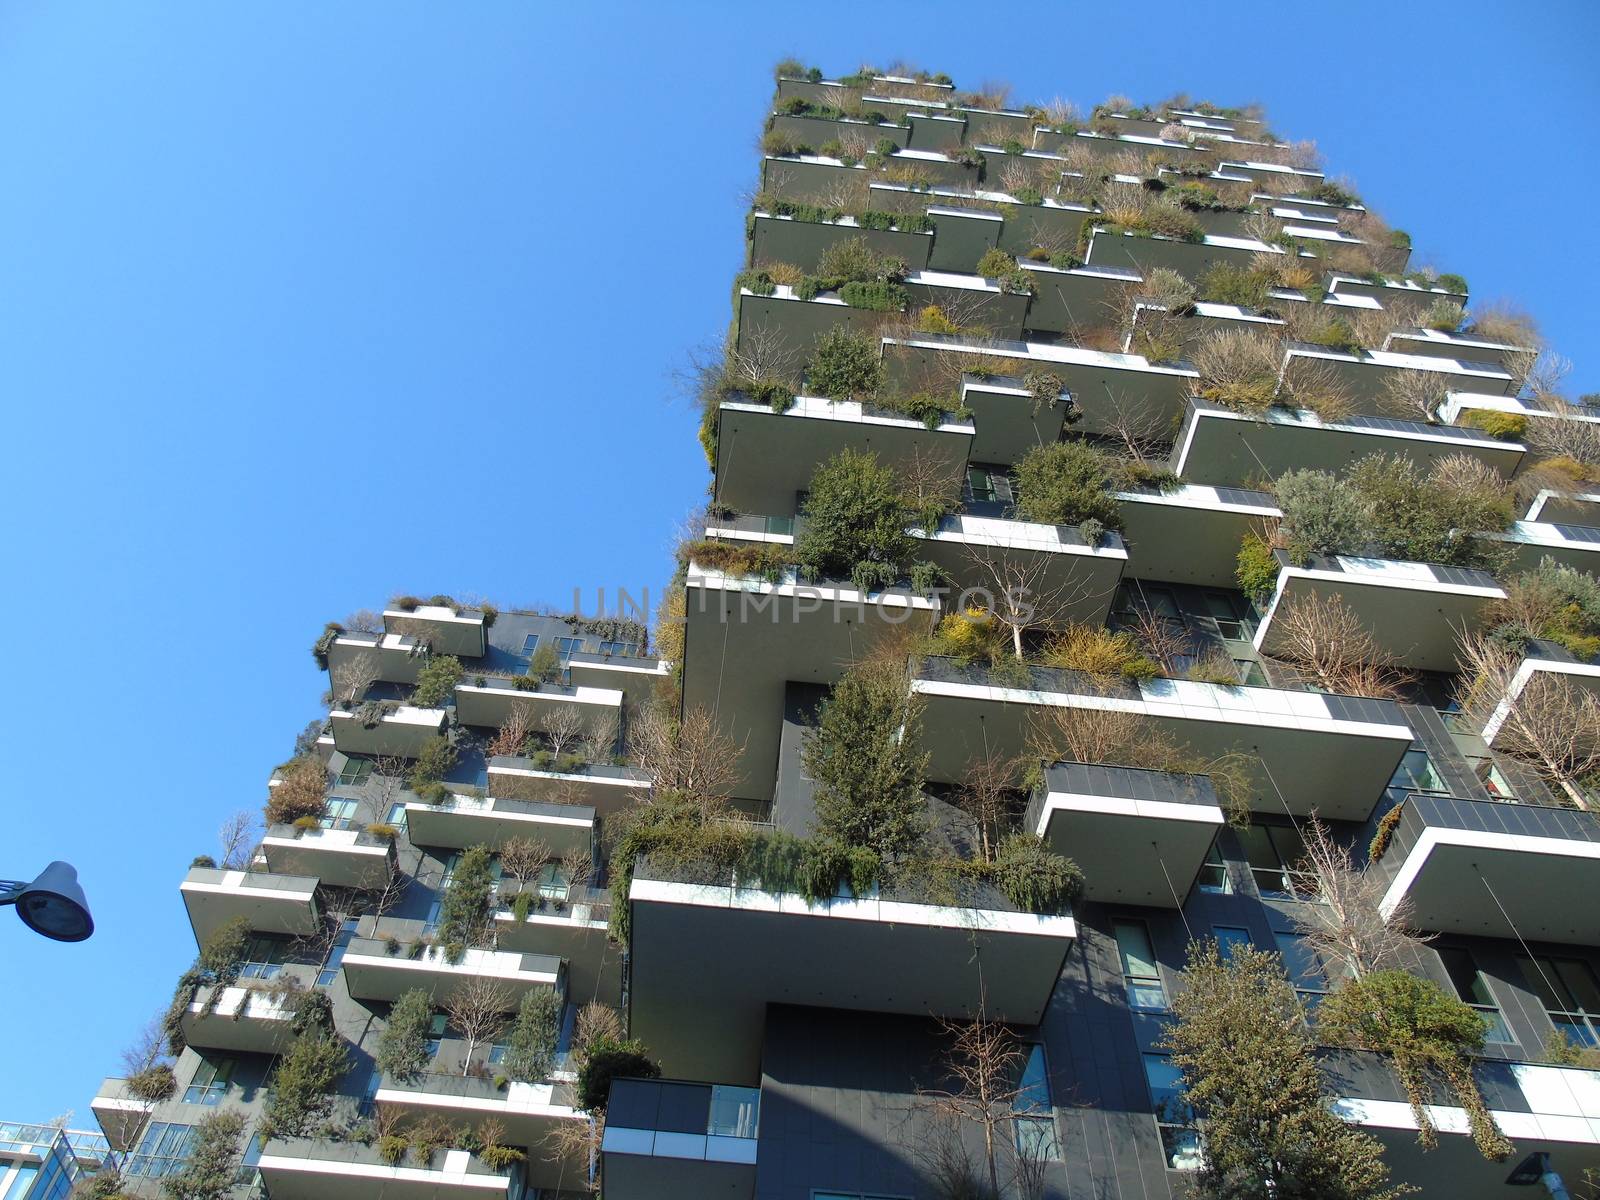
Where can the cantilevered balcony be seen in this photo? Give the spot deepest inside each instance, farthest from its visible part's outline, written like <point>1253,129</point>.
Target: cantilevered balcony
<point>488,701</point>
<point>270,903</point>
<point>1547,664</point>
<point>386,728</point>
<point>1225,448</point>
<point>1143,253</point>
<point>1531,542</point>
<point>635,677</point>
<point>1565,508</point>
<point>1008,419</point>
<point>1306,750</point>
<point>1190,534</point>
<point>1140,836</point>
<point>1074,580</point>
<point>764,458</point>
<point>598,786</point>
<point>463,821</point>
<point>785,239</point>
<point>1365,375</point>
<point>402,957</point>
<point>746,637</point>
<point>337,857</point>
<point>711,950</point>
<point>119,1113</point>
<point>398,657</point>
<point>1417,612</point>
<point>1072,300</point>
<point>320,1169</point>
<point>817,131</point>
<point>669,1140</point>
<point>1439,344</point>
<point>812,179</point>
<point>461,632</point>
<point>784,318</point>
<point>250,1020</point>
<point>1458,408</point>
<point>531,1113</point>
<point>1495,869</point>
<point>1394,293</point>
<point>1114,390</point>
<point>1538,1107</point>
<point>568,923</point>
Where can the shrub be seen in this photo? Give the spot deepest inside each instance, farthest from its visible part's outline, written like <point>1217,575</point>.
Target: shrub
<point>758,283</point>
<point>437,680</point>
<point>1065,483</point>
<point>1170,221</point>
<point>432,764</point>
<point>932,319</point>
<point>1383,833</point>
<point>605,1059</point>
<point>776,142</point>
<point>301,791</point>
<point>303,1083</point>
<point>1322,514</point>
<point>1239,370</point>
<point>1452,283</point>
<point>763,559</point>
<point>1028,195</point>
<point>1096,650</point>
<point>969,636</point>
<point>1444,315</point>
<point>209,1172</point>
<point>851,258</point>
<point>203,860</point>
<point>1256,568</point>
<point>1034,877</point>
<point>845,366</point>
<point>153,1084</point>
<point>878,296</point>
<point>531,1043</point>
<point>324,643</point>
<point>1508,427</point>
<point>996,263</point>
<point>1224,284</point>
<point>854,513</point>
<point>403,1045</point>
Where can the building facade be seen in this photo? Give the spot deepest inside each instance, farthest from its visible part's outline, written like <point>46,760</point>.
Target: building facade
<point>1102,364</point>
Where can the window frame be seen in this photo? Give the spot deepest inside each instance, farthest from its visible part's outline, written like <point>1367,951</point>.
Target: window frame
<point>1132,981</point>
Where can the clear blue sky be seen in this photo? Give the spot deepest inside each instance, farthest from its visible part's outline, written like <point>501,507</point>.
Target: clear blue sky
<point>304,304</point>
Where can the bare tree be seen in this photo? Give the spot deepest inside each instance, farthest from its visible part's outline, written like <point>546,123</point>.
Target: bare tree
<point>1325,642</point>
<point>987,794</point>
<point>983,1069</point>
<point>479,1011</point>
<point>563,729</point>
<point>1549,724</point>
<point>1413,394</point>
<point>600,733</point>
<point>523,858</point>
<point>148,1048</point>
<point>577,864</point>
<point>692,756</point>
<point>237,838</point>
<point>931,484</point>
<point>353,676</point>
<point>363,620</point>
<point>511,740</point>
<point>1167,641</point>
<point>1344,922</point>
<point>1029,591</point>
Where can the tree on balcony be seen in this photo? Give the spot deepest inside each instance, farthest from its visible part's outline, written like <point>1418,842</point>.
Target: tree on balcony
<point>1067,483</point>
<point>465,914</point>
<point>479,1011</point>
<point>213,1163</point>
<point>1246,1057</point>
<point>531,1049</point>
<point>1325,643</point>
<point>436,681</point>
<point>301,791</point>
<point>1342,917</point>
<point>307,1072</point>
<point>855,521</point>
<point>403,1045</point>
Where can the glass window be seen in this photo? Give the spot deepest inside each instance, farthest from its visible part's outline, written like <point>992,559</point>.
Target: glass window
<point>396,815</point>
<point>1270,849</point>
<point>1140,975</point>
<point>530,643</point>
<point>263,957</point>
<point>436,1033</point>
<point>1033,1091</point>
<point>1229,936</point>
<point>1180,1141</point>
<point>1416,773</point>
<point>1304,969</point>
<point>1214,876</point>
<point>735,1111</point>
<point>341,942</point>
<point>1489,775</point>
<point>210,1081</point>
<point>162,1151</point>
<point>566,647</point>
<point>340,813</point>
<point>1223,608</point>
<point>1036,1133</point>
<point>247,1175</point>
<point>628,649</point>
<point>354,772</point>
<point>1570,995</point>
<point>1473,989</point>
<point>1249,672</point>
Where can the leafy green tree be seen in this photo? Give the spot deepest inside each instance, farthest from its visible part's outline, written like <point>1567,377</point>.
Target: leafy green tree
<point>403,1044</point>
<point>854,513</point>
<point>436,681</point>
<point>531,1052</point>
<point>464,909</point>
<point>1322,514</point>
<point>845,366</point>
<point>1245,1052</point>
<point>862,757</point>
<point>209,1173</point>
<point>303,1083</point>
<point>1067,483</point>
<point>605,1059</point>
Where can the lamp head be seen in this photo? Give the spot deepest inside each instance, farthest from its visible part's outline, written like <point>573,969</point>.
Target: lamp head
<point>53,905</point>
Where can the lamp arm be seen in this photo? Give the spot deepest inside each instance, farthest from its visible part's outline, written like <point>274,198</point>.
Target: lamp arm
<point>10,889</point>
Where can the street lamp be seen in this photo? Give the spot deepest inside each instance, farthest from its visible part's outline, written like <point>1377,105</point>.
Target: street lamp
<point>53,904</point>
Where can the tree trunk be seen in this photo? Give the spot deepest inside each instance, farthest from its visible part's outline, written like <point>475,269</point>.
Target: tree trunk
<point>988,1146</point>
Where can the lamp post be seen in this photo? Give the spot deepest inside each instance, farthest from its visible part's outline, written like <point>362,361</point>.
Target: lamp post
<point>53,905</point>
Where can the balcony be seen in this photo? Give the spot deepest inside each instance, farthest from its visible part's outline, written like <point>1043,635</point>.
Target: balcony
<point>1575,546</point>
<point>1400,294</point>
<point>1190,534</point>
<point>1457,406</point>
<point>1114,390</point>
<point>1538,1107</point>
<point>745,638</point>
<point>1280,179</point>
<point>270,903</point>
<point>1141,836</point>
<point>1417,612</point>
<point>1363,374</point>
<point>935,131</point>
<point>1436,343</point>
<point>530,1112</point>
<point>1075,580</point>
<point>119,1113</point>
<point>488,701</point>
<point>1007,420</point>
<point>1225,448</point>
<point>1545,661</point>
<point>784,318</point>
<point>350,858</point>
<point>710,950</point>
<point>764,458</point>
<point>399,655</point>
<point>636,678</point>
<point>816,131</point>
<point>397,960</point>
<point>1565,508</point>
<point>1142,253</point>
<point>243,1019</point>
<point>1331,753</point>
<point>320,1169</point>
<point>1073,300</point>
<point>979,302</point>
<point>782,239</point>
<point>667,1140</point>
<point>598,786</point>
<point>463,821</point>
<point>570,924</point>
<point>463,633</point>
<point>386,728</point>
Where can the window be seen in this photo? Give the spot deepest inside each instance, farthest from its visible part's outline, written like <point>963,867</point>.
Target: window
<point>1214,876</point>
<point>566,647</point>
<point>1270,849</point>
<point>1570,995</point>
<point>1488,774</point>
<point>1249,672</point>
<point>263,957</point>
<point>1140,975</point>
<point>530,644</point>
<point>1232,624</point>
<point>341,942</point>
<point>988,485</point>
<point>162,1151</point>
<point>1304,968</point>
<point>735,1111</point>
<point>354,772</point>
<point>436,1033</point>
<point>210,1082</point>
<point>340,813</point>
<point>1036,1131</point>
<point>247,1175</point>
<point>1180,1140</point>
<point>1416,773</point>
<point>553,879</point>
<point>396,815</point>
<point>1229,936</point>
<point>625,649</point>
<point>1473,989</point>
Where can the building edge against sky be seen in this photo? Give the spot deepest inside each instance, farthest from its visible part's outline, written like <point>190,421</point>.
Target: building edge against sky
<point>1121,362</point>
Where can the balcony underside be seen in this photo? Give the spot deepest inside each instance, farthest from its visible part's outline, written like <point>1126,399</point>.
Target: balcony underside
<point>403,733</point>
<point>492,705</point>
<point>223,895</point>
<point>1131,851</point>
<point>1190,536</point>
<point>802,243</point>
<point>242,1019</point>
<point>334,857</point>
